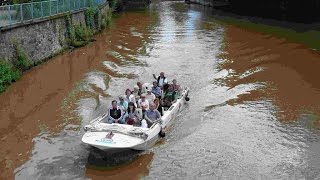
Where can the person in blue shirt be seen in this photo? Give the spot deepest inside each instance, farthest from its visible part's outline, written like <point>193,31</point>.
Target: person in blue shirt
<point>123,104</point>
<point>156,89</point>
<point>152,115</point>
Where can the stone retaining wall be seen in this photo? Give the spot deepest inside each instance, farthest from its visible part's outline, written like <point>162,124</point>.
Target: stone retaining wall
<point>41,39</point>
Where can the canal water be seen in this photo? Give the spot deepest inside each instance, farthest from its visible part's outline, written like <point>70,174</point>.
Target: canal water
<point>253,112</point>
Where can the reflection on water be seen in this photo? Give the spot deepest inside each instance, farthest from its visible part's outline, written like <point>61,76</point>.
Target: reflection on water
<point>132,169</point>
<point>229,130</point>
<point>289,70</point>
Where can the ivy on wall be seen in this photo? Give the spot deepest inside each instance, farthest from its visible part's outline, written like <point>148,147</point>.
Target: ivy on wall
<point>81,34</point>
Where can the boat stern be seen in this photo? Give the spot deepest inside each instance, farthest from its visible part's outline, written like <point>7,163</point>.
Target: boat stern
<point>111,140</point>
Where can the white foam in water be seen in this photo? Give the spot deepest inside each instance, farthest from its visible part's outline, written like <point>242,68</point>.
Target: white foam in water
<point>111,65</point>
<point>250,72</point>
<point>98,79</point>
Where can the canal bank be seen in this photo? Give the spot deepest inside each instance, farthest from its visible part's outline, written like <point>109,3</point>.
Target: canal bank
<point>26,41</point>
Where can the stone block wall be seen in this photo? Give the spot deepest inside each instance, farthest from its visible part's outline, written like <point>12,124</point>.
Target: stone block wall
<point>40,40</point>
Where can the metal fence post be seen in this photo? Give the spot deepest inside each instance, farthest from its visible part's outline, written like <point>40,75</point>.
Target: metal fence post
<point>9,14</point>
<point>41,9</point>
<point>69,5</point>
<point>31,10</point>
<point>57,7</point>
<point>50,7</point>
<point>21,13</point>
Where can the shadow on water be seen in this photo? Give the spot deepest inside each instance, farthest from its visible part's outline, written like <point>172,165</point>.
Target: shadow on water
<point>105,160</point>
<point>127,164</point>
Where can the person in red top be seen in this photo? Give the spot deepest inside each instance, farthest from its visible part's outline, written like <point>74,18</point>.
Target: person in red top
<point>174,87</point>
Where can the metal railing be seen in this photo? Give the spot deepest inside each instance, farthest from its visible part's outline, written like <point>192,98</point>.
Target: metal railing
<point>12,14</point>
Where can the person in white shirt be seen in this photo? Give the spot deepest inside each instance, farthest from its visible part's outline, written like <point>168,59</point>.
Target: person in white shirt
<point>143,103</point>
<point>130,97</point>
<point>150,96</point>
<point>161,80</point>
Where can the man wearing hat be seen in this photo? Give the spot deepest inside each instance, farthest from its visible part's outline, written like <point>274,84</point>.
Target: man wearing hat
<point>150,96</point>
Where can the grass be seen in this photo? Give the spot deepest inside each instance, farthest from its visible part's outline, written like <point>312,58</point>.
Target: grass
<point>43,127</point>
<point>310,38</point>
<point>8,75</point>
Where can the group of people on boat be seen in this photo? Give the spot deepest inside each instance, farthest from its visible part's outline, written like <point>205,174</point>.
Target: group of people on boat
<point>144,104</point>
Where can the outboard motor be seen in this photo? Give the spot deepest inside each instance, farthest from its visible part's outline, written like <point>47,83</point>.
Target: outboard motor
<point>162,134</point>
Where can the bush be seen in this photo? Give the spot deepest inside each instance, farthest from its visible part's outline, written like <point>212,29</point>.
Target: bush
<point>7,75</point>
<point>106,19</point>
<point>23,62</point>
<point>89,15</point>
<point>116,4</point>
<point>79,35</point>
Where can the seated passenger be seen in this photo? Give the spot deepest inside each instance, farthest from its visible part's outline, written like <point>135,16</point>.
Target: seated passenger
<point>132,116</point>
<point>161,80</point>
<point>143,103</point>
<point>115,113</point>
<point>167,102</point>
<point>141,89</point>
<point>122,103</point>
<point>152,115</point>
<point>156,90</point>
<point>136,93</point>
<point>166,91</point>
<point>174,87</point>
<point>130,97</point>
<point>158,104</point>
<point>150,96</point>
<point>169,93</point>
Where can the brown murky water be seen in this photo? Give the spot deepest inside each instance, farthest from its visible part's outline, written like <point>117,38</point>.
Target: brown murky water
<point>44,98</point>
<point>231,129</point>
<point>289,70</point>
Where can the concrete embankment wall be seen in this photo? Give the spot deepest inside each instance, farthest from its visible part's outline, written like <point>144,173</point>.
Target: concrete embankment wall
<point>40,39</point>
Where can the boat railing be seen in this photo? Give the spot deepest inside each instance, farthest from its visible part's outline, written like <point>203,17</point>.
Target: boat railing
<point>118,128</point>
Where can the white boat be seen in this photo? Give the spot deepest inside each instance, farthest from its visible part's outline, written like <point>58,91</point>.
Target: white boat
<point>105,136</point>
